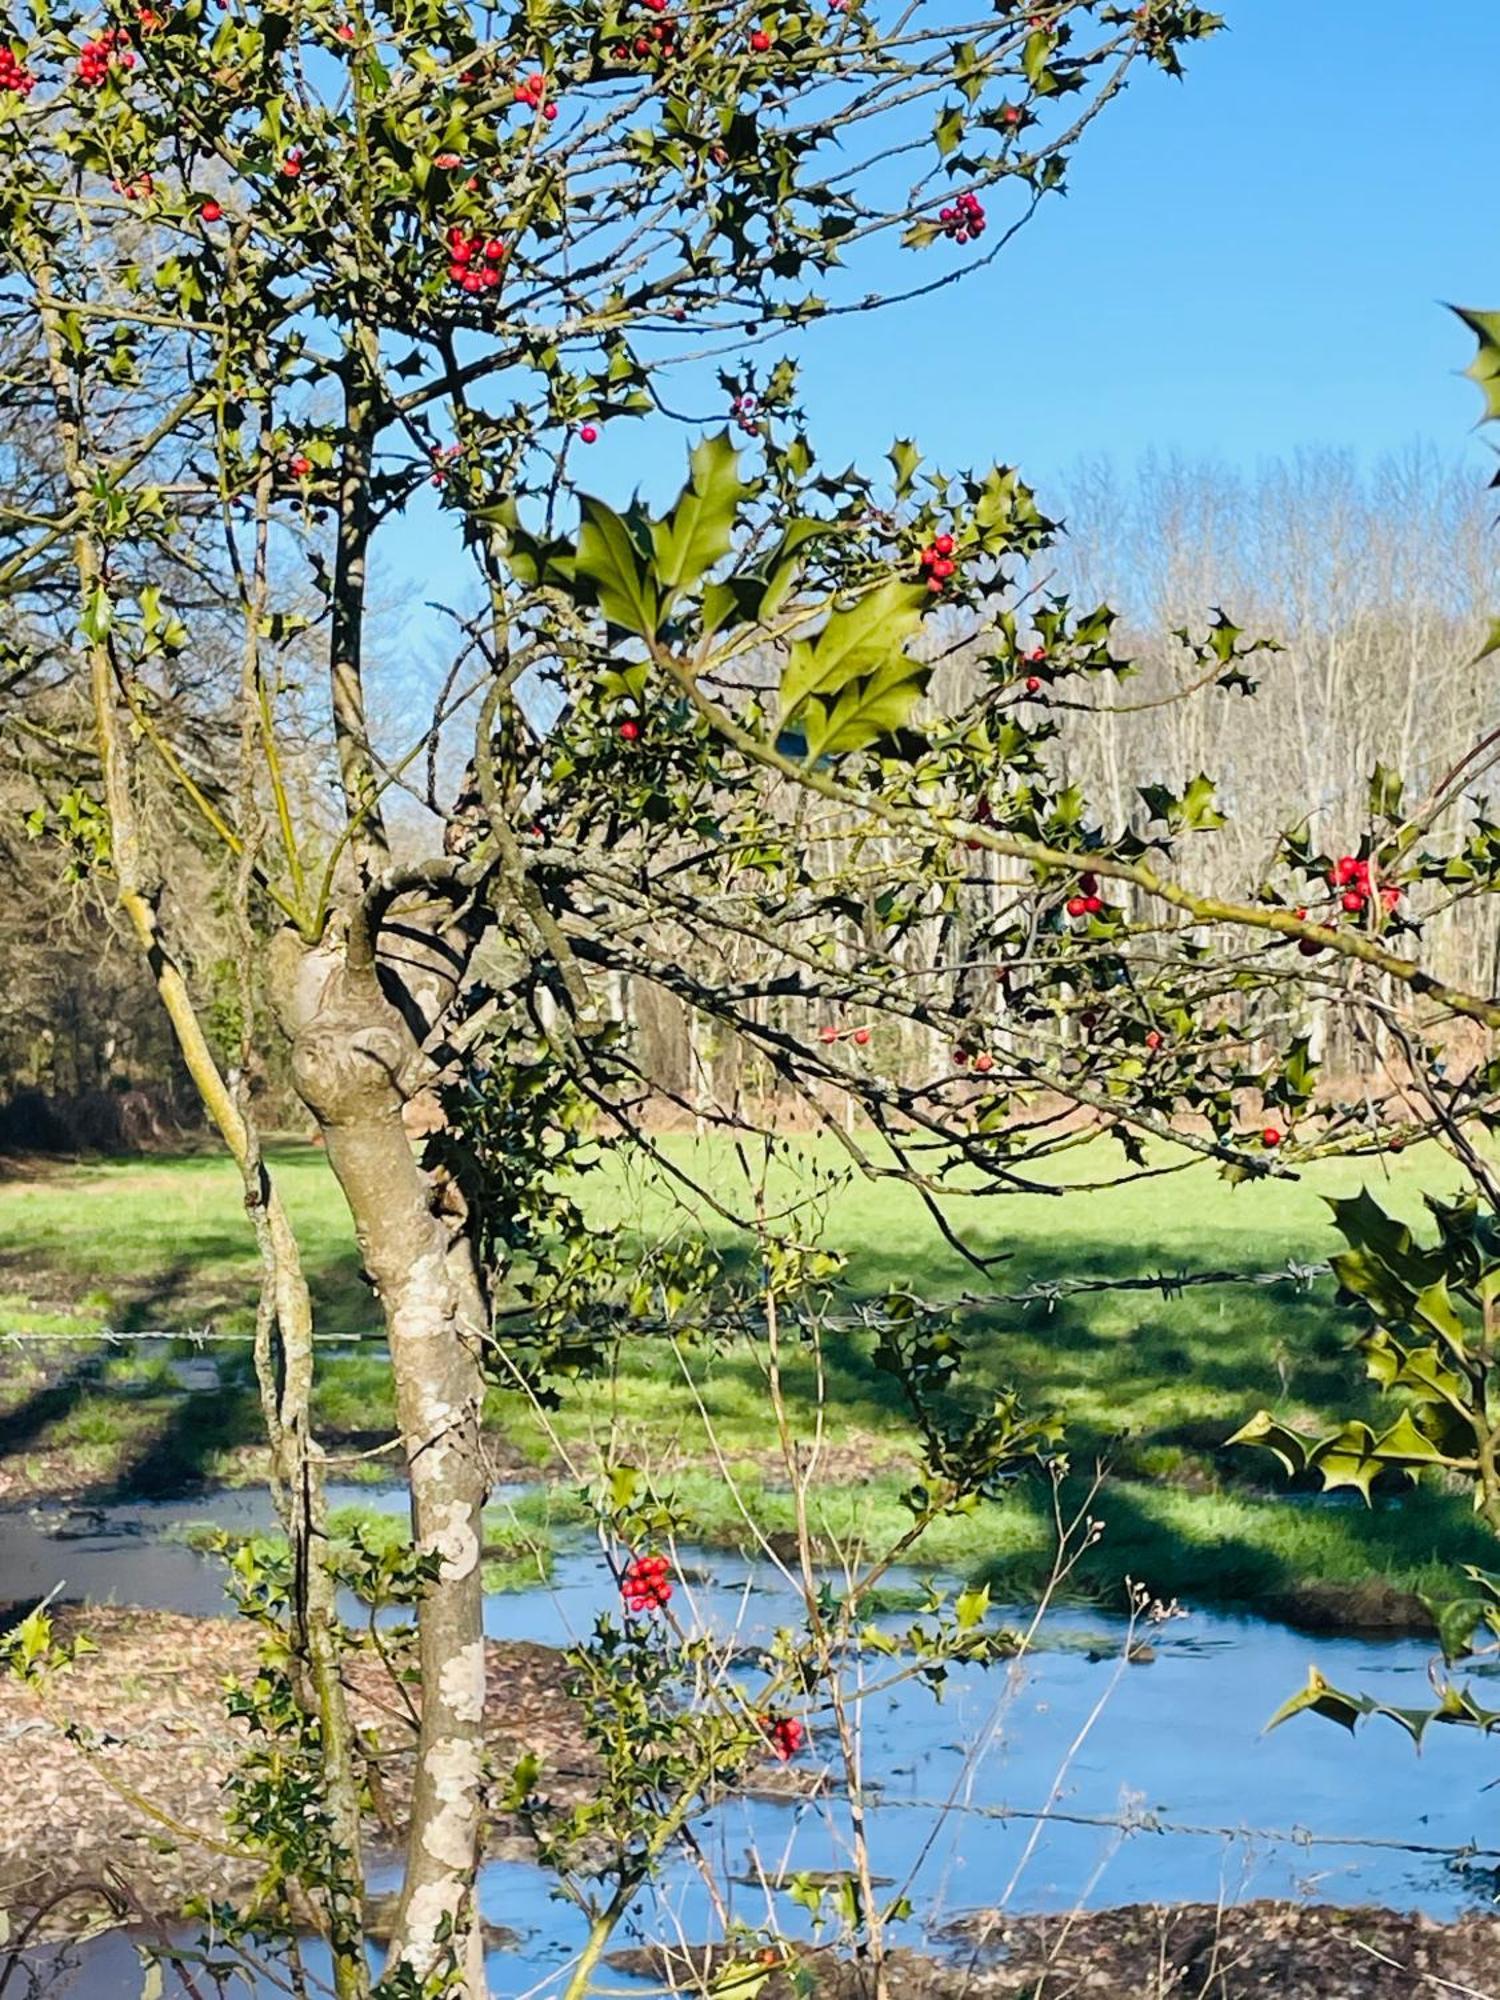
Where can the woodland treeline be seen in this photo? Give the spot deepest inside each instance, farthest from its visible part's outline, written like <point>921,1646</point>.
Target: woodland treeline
<point>1372,577</point>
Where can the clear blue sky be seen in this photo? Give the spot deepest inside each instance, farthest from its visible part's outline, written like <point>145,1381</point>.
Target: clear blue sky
<point>1247,262</point>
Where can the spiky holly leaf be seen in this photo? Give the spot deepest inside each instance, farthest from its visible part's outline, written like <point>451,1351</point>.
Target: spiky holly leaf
<point>855,683</point>
<point>1485,367</point>
<point>1320,1697</point>
<point>610,561</point>
<point>700,528</point>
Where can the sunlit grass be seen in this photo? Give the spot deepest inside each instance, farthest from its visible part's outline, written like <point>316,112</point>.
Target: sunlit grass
<point>1151,1381</point>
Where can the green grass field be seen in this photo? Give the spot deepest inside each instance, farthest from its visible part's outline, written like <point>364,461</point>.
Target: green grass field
<point>1152,1382</point>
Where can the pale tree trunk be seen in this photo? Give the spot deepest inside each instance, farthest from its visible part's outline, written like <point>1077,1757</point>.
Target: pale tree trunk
<point>354,1061</point>
<point>284,1329</point>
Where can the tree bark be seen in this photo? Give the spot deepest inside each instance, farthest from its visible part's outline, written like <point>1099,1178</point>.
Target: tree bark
<point>355,1061</point>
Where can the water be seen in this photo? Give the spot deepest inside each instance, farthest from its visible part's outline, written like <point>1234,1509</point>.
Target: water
<point>1074,1729</point>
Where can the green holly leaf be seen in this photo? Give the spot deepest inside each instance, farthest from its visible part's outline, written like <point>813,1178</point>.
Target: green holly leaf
<point>609,560</point>
<point>1320,1697</point>
<point>1485,367</point>
<point>1264,1430</point>
<point>1349,1458</point>
<point>700,528</point>
<point>970,1607</point>
<point>854,683</point>
<point>904,458</point>
<point>98,616</point>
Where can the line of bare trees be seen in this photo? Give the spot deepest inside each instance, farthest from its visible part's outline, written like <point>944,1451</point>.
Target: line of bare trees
<point>1378,580</point>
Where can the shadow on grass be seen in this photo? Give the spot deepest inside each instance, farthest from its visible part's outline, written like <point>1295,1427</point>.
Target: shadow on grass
<point>49,1404</point>
<point>177,1455</point>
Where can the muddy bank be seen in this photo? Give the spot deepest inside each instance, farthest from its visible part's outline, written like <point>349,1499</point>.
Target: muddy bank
<point>1191,1951</point>
<point>124,1758</point>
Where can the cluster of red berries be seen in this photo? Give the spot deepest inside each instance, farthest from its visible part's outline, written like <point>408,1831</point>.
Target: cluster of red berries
<point>644,1583</point>
<point>443,456</point>
<point>1088,902</point>
<point>655,38</point>
<point>785,1734</point>
<point>13,75</point>
<point>1037,657</point>
<point>474,261</point>
<point>743,410</point>
<point>936,563</point>
<point>299,465</point>
<point>984,1062</point>
<point>964,222</point>
<point>1352,877</point>
<point>96,57</point>
<point>533,92</point>
<point>830,1034</point>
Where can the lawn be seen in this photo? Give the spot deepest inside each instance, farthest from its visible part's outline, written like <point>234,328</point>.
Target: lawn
<point>1151,1381</point>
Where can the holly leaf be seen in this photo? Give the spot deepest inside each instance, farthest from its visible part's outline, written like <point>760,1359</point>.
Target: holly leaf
<point>1320,1697</point>
<point>609,560</point>
<point>700,528</point>
<point>855,683</point>
<point>1485,367</point>
<point>1264,1430</point>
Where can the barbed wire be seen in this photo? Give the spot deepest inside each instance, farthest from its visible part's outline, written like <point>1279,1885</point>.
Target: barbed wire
<point>1049,1292</point>
<point>1145,1820</point>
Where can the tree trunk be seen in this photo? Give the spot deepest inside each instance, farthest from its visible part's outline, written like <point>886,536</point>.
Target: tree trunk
<point>354,1061</point>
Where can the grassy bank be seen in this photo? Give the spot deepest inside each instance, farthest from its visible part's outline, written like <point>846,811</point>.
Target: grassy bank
<point>1152,1380</point>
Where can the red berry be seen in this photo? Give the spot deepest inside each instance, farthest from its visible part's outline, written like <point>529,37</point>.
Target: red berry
<point>1153,1039</point>
<point>828,1034</point>
<point>494,250</point>
<point>447,161</point>
<point>299,465</point>
<point>1352,901</point>
<point>943,545</point>
<point>629,730</point>
<point>760,41</point>
<point>549,112</point>
<point>1033,685</point>
<point>862,1036</point>
<point>984,1062</point>
<point>1078,906</point>
<point>588,434</point>
<point>345,32</point>
<point>1270,1137</point>
<point>210,211</point>
<point>960,1057</point>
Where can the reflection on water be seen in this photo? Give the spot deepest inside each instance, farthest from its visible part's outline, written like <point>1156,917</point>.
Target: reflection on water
<point>1179,1740</point>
